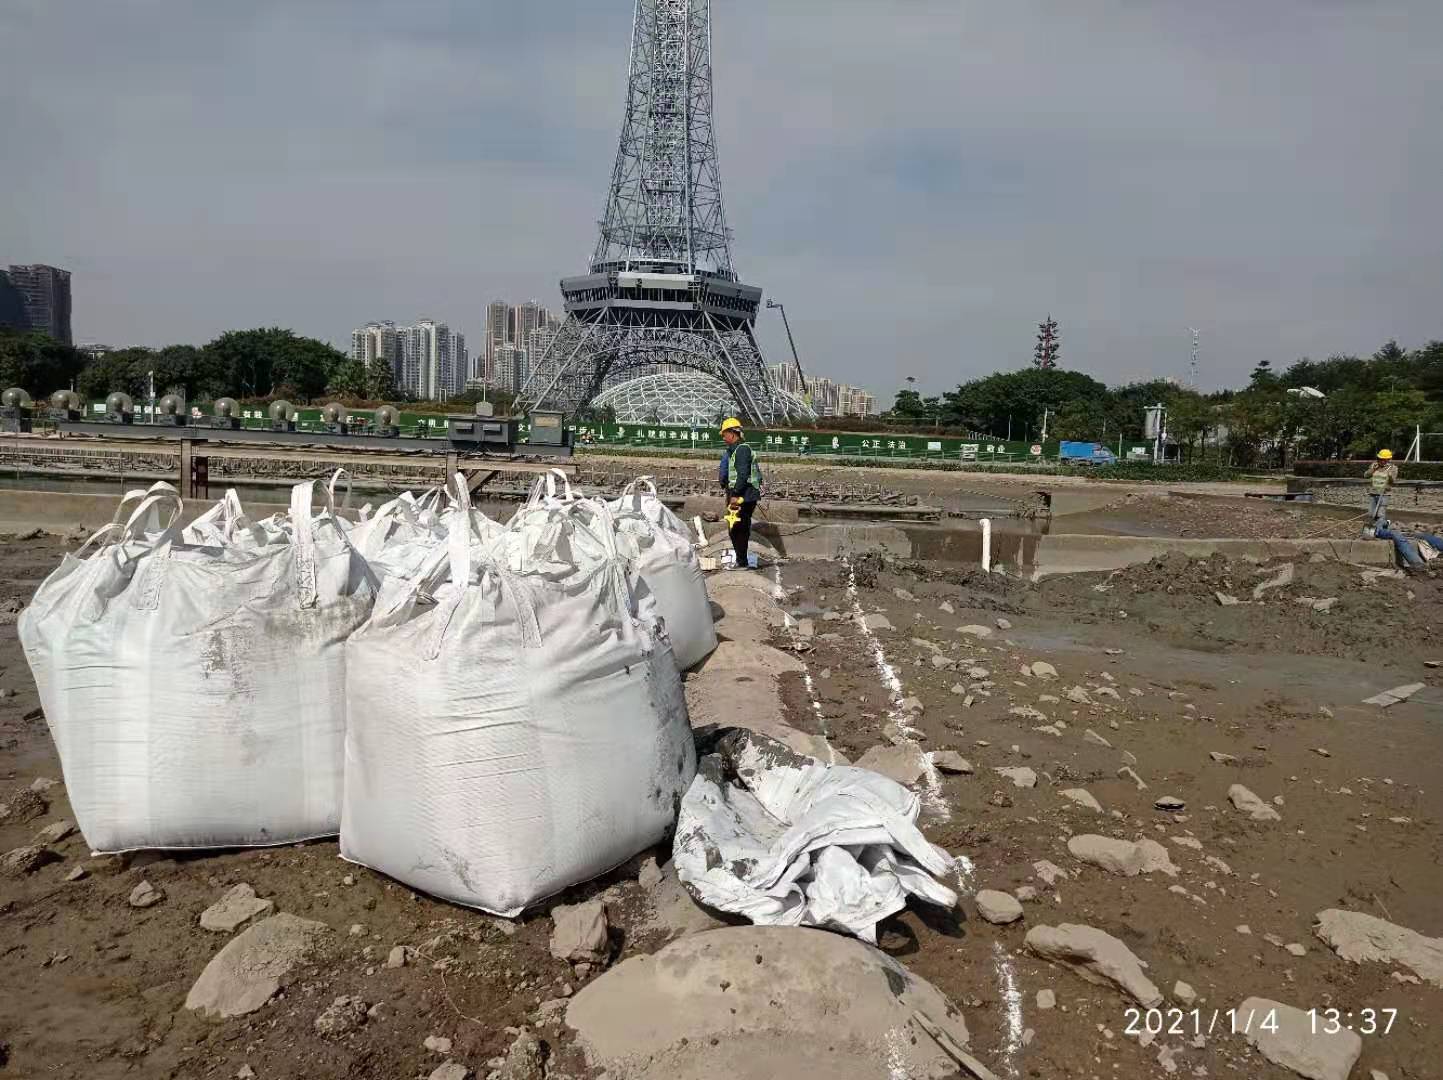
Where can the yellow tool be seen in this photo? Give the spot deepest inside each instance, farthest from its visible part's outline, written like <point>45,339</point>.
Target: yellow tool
<point>733,514</point>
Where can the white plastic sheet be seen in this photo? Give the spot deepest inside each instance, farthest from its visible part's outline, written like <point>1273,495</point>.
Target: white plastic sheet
<point>514,725</point>
<point>786,840</point>
<point>193,680</point>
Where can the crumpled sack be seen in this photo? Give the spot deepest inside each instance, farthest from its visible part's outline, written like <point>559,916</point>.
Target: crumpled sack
<point>786,840</point>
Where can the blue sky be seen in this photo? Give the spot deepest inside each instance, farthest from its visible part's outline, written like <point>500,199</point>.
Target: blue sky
<point>919,181</point>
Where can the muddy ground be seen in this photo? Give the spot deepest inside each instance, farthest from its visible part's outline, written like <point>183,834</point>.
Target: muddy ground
<point>91,987</point>
<point>1276,686</point>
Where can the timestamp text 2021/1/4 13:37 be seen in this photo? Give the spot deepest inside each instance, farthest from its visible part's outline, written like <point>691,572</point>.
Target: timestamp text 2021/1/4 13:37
<point>1369,1021</point>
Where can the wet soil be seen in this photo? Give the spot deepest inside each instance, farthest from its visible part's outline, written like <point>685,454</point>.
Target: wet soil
<point>1270,684</point>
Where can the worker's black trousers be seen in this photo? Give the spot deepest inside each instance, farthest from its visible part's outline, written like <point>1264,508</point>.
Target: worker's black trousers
<point>741,532</point>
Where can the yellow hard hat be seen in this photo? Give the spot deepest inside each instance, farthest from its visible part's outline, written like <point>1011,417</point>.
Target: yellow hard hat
<point>731,423</point>
<point>1383,455</point>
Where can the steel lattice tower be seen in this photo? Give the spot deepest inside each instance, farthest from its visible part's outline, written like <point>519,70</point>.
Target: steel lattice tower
<point>661,289</point>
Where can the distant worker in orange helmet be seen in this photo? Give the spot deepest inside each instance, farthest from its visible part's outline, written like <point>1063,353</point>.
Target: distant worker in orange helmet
<point>1382,475</point>
<point>742,477</point>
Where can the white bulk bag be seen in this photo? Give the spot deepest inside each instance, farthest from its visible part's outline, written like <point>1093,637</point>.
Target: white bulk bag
<point>510,734</point>
<point>403,535</point>
<point>648,503</point>
<point>662,553</point>
<point>196,692</point>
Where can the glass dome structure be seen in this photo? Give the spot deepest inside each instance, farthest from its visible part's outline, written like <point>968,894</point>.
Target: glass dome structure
<point>683,397</point>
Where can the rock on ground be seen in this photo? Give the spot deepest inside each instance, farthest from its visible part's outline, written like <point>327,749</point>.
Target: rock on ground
<point>1122,856</point>
<point>1046,999</point>
<point>248,972</point>
<point>146,895</point>
<point>1082,797</point>
<point>1251,805</point>
<point>54,833</point>
<point>1283,577</point>
<point>581,934</point>
<point>1097,956</point>
<point>1392,697</point>
<point>1358,937</point>
<point>949,761</point>
<point>998,907</point>
<point>905,764</point>
<point>877,621</point>
<point>25,860</point>
<point>438,1044</point>
<point>341,1017</point>
<point>1050,872</point>
<point>649,877</point>
<point>452,1070</point>
<point>806,1002</point>
<point>524,1060</point>
<point>237,907</point>
<point>1294,1044</point>
<point>1020,775</point>
<point>23,807</point>
<point>1183,993</point>
<point>1043,670</point>
<point>975,631</point>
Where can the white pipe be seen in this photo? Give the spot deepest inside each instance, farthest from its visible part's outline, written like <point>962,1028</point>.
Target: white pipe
<point>986,545</point>
<point>700,533</point>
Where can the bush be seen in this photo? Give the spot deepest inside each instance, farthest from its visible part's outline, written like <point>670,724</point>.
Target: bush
<point>1354,470</point>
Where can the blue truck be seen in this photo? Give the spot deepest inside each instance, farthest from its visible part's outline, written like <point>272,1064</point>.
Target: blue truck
<point>1085,453</point>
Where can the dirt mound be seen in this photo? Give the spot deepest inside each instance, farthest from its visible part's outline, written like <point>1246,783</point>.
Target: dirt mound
<point>1324,607</point>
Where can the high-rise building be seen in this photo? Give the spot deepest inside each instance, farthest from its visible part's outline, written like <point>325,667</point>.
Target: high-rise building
<point>377,341</point>
<point>854,401</point>
<point>432,360</point>
<point>827,397</point>
<point>460,366</point>
<point>528,317</point>
<point>500,330</point>
<point>44,300</point>
<point>539,341</point>
<point>786,376</point>
<point>12,306</point>
<point>512,367</point>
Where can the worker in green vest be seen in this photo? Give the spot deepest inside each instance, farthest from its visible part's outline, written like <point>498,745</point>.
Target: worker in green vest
<point>1382,475</point>
<point>742,478</point>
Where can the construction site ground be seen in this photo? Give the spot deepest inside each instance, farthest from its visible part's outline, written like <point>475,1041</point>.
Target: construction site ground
<point>1150,686</point>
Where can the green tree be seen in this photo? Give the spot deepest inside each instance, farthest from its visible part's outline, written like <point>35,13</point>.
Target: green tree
<point>987,404</point>
<point>1190,417</point>
<point>37,363</point>
<point>1263,376</point>
<point>371,382</point>
<point>120,370</point>
<point>270,361</point>
<point>909,404</point>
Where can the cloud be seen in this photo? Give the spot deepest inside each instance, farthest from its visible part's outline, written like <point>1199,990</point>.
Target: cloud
<point>921,182</point>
